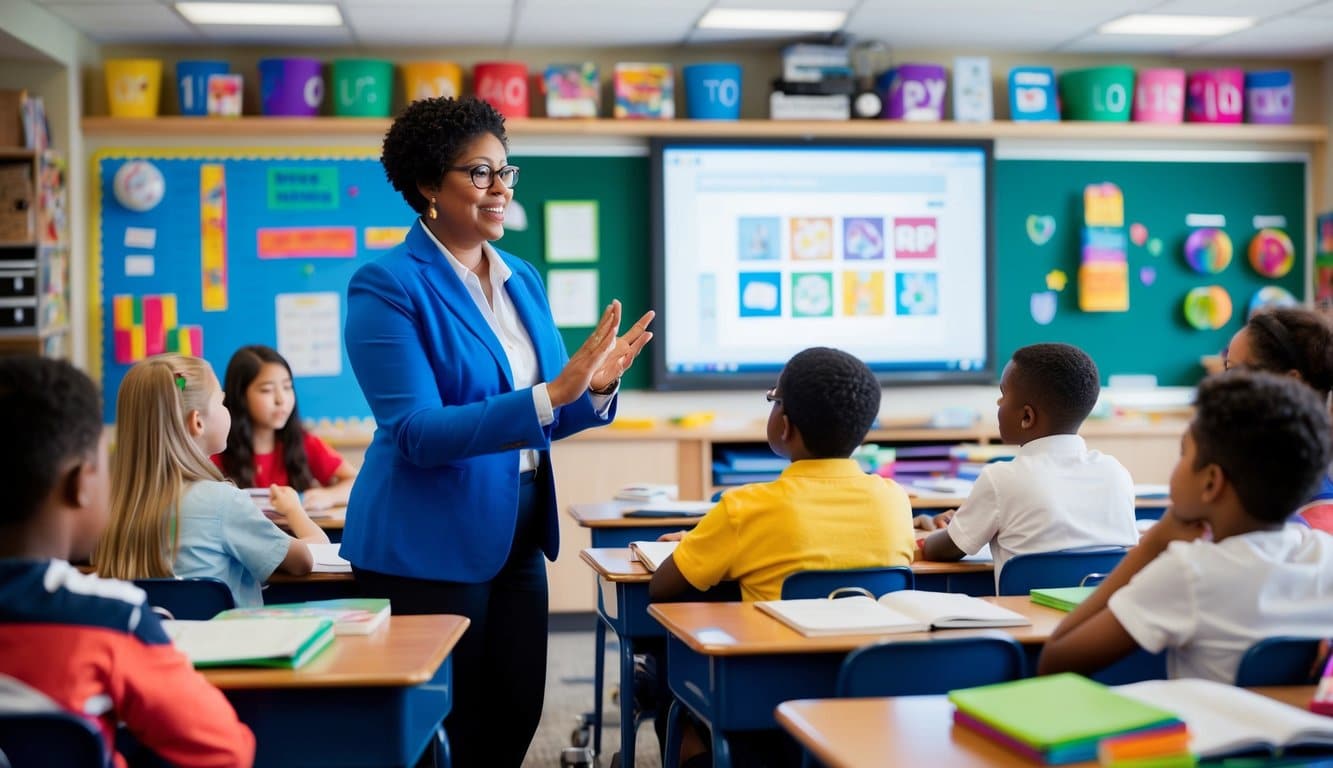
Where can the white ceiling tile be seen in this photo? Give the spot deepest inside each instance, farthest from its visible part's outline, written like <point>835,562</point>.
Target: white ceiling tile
<point>277,36</point>
<point>746,36</point>
<point>440,7</point>
<point>788,5</point>
<point>592,24</point>
<point>125,22</point>
<point>988,28</point>
<point>481,24</point>
<point>1256,8</point>
<point>1290,36</point>
<point>1322,9</point>
<point>1135,45</point>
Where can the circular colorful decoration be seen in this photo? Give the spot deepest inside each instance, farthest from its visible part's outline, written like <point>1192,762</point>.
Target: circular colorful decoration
<point>1271,253</point>
<point>1208,251</point>
<point>1270,296</point>
<point>1207,307</point>
<point>138,185</point>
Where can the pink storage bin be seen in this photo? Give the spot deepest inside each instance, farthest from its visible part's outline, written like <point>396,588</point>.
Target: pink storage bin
<point>1215,96</point>
<point>1159,96</point>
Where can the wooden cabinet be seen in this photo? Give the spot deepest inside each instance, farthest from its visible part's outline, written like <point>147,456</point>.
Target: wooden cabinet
<point>34,253</point>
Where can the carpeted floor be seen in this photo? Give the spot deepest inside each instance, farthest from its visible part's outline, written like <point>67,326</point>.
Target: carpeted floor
<point>569,695</point>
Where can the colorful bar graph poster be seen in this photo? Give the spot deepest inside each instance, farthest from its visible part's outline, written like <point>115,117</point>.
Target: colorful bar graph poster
<point>144,326</point>
<point>213,236</point>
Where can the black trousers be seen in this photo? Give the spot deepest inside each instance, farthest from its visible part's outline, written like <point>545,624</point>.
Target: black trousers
<point>500,663</point>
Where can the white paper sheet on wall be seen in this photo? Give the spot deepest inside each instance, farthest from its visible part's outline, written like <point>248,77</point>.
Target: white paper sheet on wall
<point>310,332</point>
<point>571,230</point>
<point>573,297</point>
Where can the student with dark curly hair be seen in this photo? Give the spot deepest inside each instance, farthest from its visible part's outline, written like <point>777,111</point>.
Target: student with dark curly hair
<point>824,512</point>
<point>1056,494</point>
<point>1258,444</point>
<point>455,349</point>
<point>1298,342</point>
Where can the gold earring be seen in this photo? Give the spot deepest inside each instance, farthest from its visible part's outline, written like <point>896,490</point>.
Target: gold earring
<point>432,213</point>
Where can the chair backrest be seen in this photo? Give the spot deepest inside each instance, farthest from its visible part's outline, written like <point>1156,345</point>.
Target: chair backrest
<point>1067,568</point>
<point>923,667</point>
<point>1280,661</point>
<point>199,598</point>
<point>50,738</point>
<point>876,581</point>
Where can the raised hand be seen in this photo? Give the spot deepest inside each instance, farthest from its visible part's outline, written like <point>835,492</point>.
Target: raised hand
<point>574,379</point>
<point>628,347</point>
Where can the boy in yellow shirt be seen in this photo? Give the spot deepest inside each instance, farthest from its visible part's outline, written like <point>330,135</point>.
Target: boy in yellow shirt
<point>824,512</point>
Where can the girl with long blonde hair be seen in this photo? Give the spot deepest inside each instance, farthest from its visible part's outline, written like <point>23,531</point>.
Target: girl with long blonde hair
<point>171,511</point>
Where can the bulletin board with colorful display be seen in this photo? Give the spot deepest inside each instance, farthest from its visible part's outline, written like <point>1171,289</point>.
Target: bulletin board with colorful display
<point>1148,266</point>
<point>204,253</point>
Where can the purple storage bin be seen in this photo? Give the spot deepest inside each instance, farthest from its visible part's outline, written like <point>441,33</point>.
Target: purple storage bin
<point>914,92</point>
<point>291,87</point>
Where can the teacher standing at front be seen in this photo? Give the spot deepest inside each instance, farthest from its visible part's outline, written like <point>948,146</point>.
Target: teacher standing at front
<point>454,346</point>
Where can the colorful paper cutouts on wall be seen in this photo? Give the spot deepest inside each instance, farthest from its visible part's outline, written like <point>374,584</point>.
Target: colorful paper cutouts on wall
<point>918,293</point>
<point>138,186</point>
<point>516,217</point>
<point>213,236</point>
<point>1269,297</point>
<point>1056,280</point>
<point>1207,307</point>
<point>1103,274</point>
<point>382,238</point>
<point>1040,229</point>
<point>1323,261</point>
<point>1208,250</point>
<point>1138,234</point>
<point>1042,307</point>
<point>1147,275</point>
<point>1155,246</point>
<point>1271,253</point>
<point>306,242</point>
<point>143,326</point>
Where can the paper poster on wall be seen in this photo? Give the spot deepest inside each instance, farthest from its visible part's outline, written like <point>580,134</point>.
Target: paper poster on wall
<point>573,297</point>
<point>213,236</point>
<point>571,230</point>
<point>309,332</point>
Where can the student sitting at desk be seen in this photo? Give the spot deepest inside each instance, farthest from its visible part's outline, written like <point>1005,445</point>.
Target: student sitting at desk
<point>172,514</point>
<point>1056,494</point>
<point>824,512</point>
<point>77,643</point>
<point>1258,444</point>
<point>267,444</point>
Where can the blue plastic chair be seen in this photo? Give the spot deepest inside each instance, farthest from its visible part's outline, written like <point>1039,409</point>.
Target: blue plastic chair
<point>1280,661</point>
<point>50,738</point>
<point>1067,568</point>
<point>877,581</point>
<point>935,666</point>
<point>199,598</point>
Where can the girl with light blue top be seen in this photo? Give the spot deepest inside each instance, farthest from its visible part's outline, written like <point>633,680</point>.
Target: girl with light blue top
<point>172,514</point>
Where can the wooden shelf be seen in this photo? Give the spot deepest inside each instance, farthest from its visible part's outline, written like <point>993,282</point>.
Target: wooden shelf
<point>872,129</point>
<point>16,153</point>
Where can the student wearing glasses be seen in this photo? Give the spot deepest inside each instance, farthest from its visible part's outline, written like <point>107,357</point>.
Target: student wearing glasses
<point>1296,342</point>
<point>453,344</point>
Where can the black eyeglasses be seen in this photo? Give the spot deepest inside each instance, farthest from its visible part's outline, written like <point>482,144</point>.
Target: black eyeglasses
<point>772,396</point>
<point>484,176</point>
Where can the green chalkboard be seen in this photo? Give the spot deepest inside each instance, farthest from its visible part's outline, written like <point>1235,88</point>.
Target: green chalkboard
<point>1152,337</point>
<point>620,187</point>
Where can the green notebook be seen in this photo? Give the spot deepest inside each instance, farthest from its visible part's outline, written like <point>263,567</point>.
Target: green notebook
<point>283,643</point>
<point>1047,712</point>
<point>1061,598</point>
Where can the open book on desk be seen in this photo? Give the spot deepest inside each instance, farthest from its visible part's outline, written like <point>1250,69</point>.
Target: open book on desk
<point>1226,720</point>
<point>652,553</point>
<point>904,611</point>
<point>328,559</point>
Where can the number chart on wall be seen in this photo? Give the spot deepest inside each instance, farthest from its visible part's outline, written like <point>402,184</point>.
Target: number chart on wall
<point>205,253</point>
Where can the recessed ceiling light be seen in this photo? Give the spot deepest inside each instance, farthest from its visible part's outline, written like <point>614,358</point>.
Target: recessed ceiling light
<point>775,21</point>
<point>262,14</point>
<point>1184,26</point>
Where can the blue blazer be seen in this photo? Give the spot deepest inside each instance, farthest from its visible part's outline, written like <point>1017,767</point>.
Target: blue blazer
<point>437,497</point>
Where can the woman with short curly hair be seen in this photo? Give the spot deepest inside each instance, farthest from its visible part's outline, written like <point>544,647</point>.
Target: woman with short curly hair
<point>455,349</point>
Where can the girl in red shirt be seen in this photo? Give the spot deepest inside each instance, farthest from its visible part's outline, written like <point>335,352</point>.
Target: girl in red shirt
<point>267,444</point>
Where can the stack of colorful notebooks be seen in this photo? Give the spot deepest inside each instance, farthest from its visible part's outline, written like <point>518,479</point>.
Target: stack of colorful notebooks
<point>1059,718</point>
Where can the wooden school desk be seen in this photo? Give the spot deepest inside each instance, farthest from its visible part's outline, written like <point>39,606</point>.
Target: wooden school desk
<point>372,700</point>
<point>916,730</point>
<point>286,588</point>
<point>731,664</point>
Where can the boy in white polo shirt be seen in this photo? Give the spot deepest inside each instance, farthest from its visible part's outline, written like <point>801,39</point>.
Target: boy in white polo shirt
<point>1055,494</point>
<point>1258,445</point>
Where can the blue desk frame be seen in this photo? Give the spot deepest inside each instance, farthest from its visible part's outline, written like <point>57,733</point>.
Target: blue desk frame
<point>354,726</point>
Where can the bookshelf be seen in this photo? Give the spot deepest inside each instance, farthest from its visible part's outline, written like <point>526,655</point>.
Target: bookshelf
<point>34,253</point>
